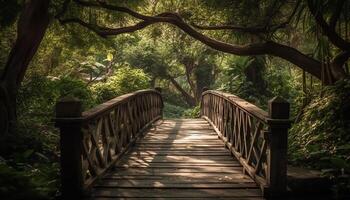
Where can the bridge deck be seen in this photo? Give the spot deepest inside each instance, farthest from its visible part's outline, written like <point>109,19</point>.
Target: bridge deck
<point>178,159</point>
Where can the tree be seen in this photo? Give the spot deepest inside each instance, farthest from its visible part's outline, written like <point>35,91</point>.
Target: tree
<point>334,72</point>
<point>328,16</point>
<point>32,25</point>
<point>171,56</point>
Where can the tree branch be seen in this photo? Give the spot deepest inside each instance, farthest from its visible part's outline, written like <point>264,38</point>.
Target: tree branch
<point>341,58</point>
<point>272,48</point>
<point>336,14</point>
<point>188,98</point>
<point>63,10</point>
<point>327,30</point>
<point>251,30</point>
<point>104,32</point>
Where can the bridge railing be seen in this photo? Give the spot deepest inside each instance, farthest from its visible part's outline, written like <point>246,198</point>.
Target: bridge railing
<point>92,141</point>
<point>258,139</point>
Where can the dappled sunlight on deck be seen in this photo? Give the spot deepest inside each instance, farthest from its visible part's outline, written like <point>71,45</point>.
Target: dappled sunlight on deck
<point>178,159</point>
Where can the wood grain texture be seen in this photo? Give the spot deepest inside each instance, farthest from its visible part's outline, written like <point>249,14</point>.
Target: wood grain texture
<point>178,159</point>
<point>258,139</point>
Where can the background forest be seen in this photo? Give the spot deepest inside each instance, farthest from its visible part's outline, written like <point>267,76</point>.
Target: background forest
<point>74,60</point>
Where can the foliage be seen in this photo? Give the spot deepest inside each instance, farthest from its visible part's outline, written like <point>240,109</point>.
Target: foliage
<point>234,81</point>
<point>69,54</point>
<point>124,81</point>
<point>29,168</point>
<point>173,97</point>
<point>192,112</point>
<point>16,184</point>
<point>321,139</point>
<point>29,162</point>
<point>171,111</point>
<point>39,94</point>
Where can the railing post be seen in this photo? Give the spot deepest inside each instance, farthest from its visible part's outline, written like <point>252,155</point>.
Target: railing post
<point>71,146</point>
<point>159,89</point>
<point>201,104</point>
<point>277,147</point>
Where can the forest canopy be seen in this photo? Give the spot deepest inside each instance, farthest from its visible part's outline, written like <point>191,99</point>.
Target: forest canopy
<point>96,50</point>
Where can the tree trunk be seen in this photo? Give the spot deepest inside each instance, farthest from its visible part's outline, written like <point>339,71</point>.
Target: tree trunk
<point>189,65</point>
<point>188,98</point>
<point>31,28</point>
<point>204,78</point>
<point>153,82</point>
<point>254,73</point>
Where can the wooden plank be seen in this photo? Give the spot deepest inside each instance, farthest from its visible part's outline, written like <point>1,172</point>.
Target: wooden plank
<point>187,145</point>
<point>178,159</point>
<point>192,198</point>
<point>189,120</point>
<point>175,193</point>
<point>185,136</point>
<point>172,184</point>
<point>211,159</point>
<point>184,177</point>
<point>194,135</point>
<point>180,149</point>
<point>178,153</point>
<point>179,141</point>
<point>155,150</point>
<point>178,165</point>
<point>160,171</point>
<point>183,128</point>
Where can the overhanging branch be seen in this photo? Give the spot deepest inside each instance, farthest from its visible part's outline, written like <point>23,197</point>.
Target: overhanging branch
<point>272,48</point>
<point>341,58</point>
<point>104,32</point>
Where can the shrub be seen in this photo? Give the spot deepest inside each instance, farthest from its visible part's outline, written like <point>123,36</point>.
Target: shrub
<point>124,81</point>
<point>192,112</point>
<point>77,88</point>
<point>322,138</point>
<point>38,96</point>
<point>171,111</point>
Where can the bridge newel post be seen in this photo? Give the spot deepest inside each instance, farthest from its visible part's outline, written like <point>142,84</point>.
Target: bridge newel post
<point>277,147</point>
<point>159,89</point>
<point>201,103</point>
<point>68,113</point>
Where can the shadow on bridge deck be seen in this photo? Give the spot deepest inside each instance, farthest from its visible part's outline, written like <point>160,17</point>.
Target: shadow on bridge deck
<point>177,159</point>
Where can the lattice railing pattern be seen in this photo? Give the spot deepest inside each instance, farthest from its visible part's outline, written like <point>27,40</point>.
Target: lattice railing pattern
<point>104,134</point>
<point>245,129</point>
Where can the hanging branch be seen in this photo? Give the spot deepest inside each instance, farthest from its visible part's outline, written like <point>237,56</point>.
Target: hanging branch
<point>327,29</point>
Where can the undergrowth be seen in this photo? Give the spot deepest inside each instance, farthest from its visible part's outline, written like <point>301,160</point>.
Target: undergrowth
<point>321,139</point>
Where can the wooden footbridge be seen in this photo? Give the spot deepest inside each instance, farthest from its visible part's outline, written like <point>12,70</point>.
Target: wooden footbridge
<point>123,149</point>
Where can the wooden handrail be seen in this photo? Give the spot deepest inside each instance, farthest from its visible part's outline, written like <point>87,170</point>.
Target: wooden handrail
<point>92,141</point>
<point>258,139</point>
<point>243,104</point>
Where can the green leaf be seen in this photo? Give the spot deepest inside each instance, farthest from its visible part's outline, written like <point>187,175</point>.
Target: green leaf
<point>344,147</point>
<point>28,153</point>
<point>109,57</point>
